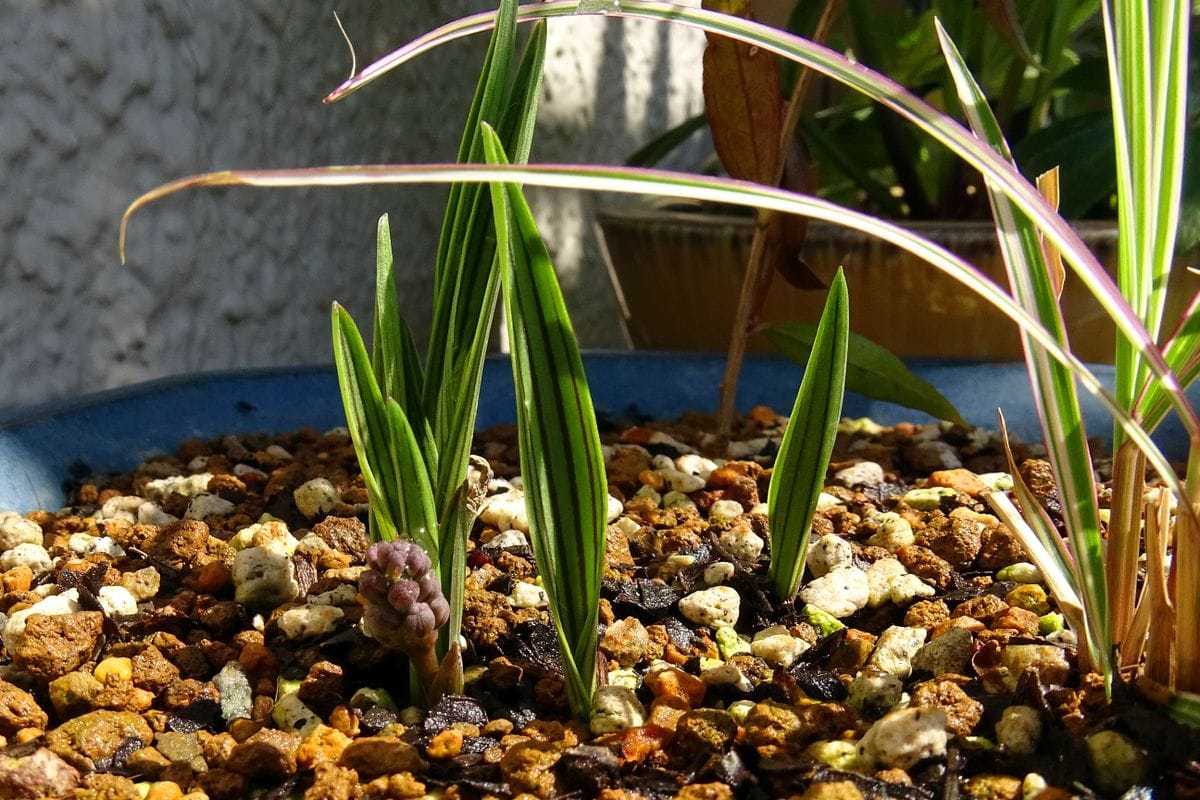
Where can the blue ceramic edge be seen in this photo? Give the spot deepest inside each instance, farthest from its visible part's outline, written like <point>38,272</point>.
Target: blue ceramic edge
<point>115,430</point>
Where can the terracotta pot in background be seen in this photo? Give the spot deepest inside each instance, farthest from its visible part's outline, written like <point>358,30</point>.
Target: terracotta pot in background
<point>678,274</point>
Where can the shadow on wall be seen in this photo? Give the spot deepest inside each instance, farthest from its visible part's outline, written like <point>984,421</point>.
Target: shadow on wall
<point>106,99</point>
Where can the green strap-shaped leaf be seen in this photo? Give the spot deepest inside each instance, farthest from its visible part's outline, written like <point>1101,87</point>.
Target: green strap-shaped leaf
<point>799,473</point>
<point>389,456</point>
<point>561,463</point>
<point>394,356</point>
<point>871,370</point>
<point>1053,384</point>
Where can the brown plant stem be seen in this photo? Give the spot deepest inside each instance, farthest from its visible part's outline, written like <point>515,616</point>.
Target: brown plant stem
<point>1124,535</point>
<point>757,279</point>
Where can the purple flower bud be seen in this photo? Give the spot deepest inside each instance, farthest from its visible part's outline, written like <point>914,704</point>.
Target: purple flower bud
<point>403,594</point>
<point>403,601</point>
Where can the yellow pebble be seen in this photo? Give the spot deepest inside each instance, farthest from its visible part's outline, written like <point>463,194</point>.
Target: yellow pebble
<point>121,668</point>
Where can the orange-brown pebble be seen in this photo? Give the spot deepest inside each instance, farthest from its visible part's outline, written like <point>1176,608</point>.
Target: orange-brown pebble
<point>164,790</point>
<point>763,415</point>
<point>17,579</point>
<point>1024,622</point>
<point>324,745</point>
<point>969,623</point>
<point>676,683</point>
<point>665,716</point>
<point>654,480</point>
<point>831,790</point>
<point>211,578</point>
<point>345,722</point>
<point>445,744</point>
<point>704,791</point>
<point>926,614</point>
<point>960,480</point>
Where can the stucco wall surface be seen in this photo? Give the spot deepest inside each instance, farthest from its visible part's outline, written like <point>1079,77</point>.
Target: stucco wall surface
<point>103,99</point>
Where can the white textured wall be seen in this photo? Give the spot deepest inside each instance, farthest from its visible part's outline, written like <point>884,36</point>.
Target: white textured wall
<point>103,99</point>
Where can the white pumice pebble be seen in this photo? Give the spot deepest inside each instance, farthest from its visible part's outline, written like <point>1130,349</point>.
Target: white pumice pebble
<point>874,691</point>
<point>16,530</point>
<point>14,630</point>
<point>205,505</point>
<point>740,709</point>
<point>117,601</point>
<point>309,621</point>
<point>505,511</point>
<point>528,595</point>
<point>907,589</point>
<point>186,485</point>
<point>652,493</point>
<point>740,543</point>
<point>828,502</point>
<point>715,607</point>
<point>270,533</point>
<point>892,532</point>
<point>626,677</point>
<point>674,565</point>
<point>264,576</point>
<point>30,555</point>
<point>1021,572</point>
<point>344,595</point>
<point>628,525</point>
<point>197,464</point>
<point>730,643</point>
<point>725,510</point>
<point>718,572</point>
<point>120,507</point>
<point>615,708</point>
<point>777,647</point>
<point>842,592</point>
<point>863,473</point>
<point>682,481</point>
<point>152,514</point>
<point>895,648</point>
<point>509,538</point>
<point>291,714</point>
<point>827,554</point>
<point>84,544</point>
<point>696,465</point>
<point>244,471</point>
<point>1019,729</point>
<point>615,507</point>
<point>902,738</point>
<point>862,425</point>
<point>662,438</point>
<point>880,576</point>
<point>675,499</point>
<point>996,481</point>
<point>761,508</point>
<point>314,497</point>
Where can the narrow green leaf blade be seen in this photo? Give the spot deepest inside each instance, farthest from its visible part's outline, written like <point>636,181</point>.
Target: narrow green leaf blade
<point>561,463</point>
<point>799,473</point>
<point>871,370</point>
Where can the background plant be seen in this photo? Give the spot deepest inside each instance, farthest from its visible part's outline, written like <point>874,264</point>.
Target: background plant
<point>1163,391</point>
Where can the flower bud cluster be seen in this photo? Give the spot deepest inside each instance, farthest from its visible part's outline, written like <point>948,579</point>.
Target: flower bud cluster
<point>403,603</point>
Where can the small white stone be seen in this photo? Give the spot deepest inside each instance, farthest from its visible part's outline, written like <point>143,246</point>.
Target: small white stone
<point>860,425</point>
<point>694,464</point>
<point>152,514</point>
<point>828,553</point>
<point>725,510</point>
<point>723,674</point>
<point>761,508</point>
<point>508,538</point>
<point>14,630</point>
<point>614,509</point>
<point>314,497</point>
<point>528,595</point>
<point>828,502</point>
<point>279,453</point>
<point>16,530</point>
<point>662,462</point>
<point>206,505</point>
<point>718,572</point>
<point>673,565</point>
<point>270,533</point>
<point>776,646</point>
<point>842,592</point>
<point>120,507</point>
<point>615,708</point>
<point>895,648</point>
<point>874,691</point>
<point>715,607</point>
<point>866,473</point>
<point>626,677</point>
<point>740,543</point>
<point>627,526</point>
<point>652,493</point>
<point>892,532</point>
<point>85,544</point>
<point>997,481</point>
<point>659,437</point>
<point>186,485</point>
<point>245,470</point>
<point>264,576</point>
<point>505,511</point>
<point>1019,729</point>
<point>907,589</point>
<point>880,576</point>
<point>117,601</point>
<point>30,555</point>
<point>309,621</point>
<point>682,481</point>
<point>290,714</point>
<point>902,738</point>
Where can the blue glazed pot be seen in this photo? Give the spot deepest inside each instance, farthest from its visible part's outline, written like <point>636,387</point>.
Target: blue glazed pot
<point>115,430</point>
